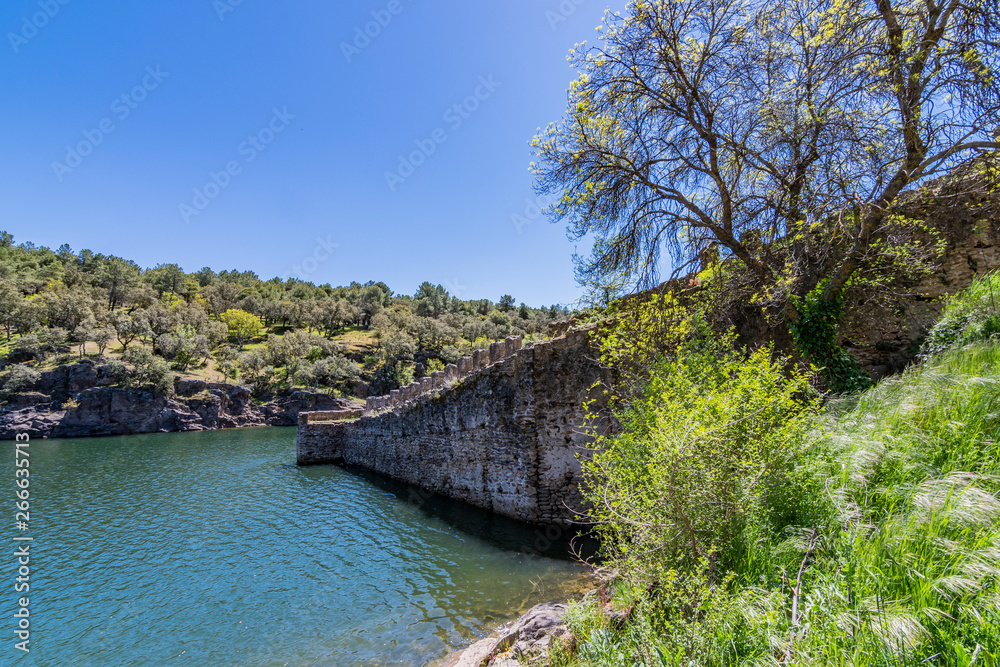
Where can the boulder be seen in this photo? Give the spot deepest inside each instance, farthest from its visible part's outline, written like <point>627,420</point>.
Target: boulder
<point>190,387</point>
<point>530,636</point>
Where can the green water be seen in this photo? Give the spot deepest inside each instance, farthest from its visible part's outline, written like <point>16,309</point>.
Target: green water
<point>213,548</point>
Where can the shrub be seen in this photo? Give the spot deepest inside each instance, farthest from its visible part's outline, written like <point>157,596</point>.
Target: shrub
<point>16,379</point>
<point>256,370</point>
<point>704,465</point>
<point>243,326</point>
<point>185,347</point>
<point>969,316</point>
<point>875,545</point>
<point>140,369</point>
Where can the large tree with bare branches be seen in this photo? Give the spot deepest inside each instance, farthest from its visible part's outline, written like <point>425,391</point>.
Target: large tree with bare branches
<point>782,133</point>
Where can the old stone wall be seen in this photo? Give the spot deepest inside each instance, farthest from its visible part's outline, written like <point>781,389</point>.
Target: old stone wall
<point>505,438</point>
<point>440,380</point>
<point>885,339</point>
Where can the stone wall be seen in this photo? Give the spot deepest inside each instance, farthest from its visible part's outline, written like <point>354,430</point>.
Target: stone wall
<point>502,429</point>
<point>439,380</point>
<point>886,339</point>
<point>505,438</point>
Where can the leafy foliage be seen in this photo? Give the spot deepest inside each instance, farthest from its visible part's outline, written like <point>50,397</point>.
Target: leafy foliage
<point>243,326</point>
<point>703,466</point>
<point>970,316</point>
<point>15,379</point>
<point>49,299</point>
<point>875,544</point>
<point>815,333</point>
<point>139,368</point>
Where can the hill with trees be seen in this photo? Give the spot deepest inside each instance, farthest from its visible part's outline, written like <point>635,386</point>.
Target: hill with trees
<point>60,306</point>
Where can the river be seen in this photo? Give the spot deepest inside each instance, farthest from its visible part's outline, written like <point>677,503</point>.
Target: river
<point>213,548</point>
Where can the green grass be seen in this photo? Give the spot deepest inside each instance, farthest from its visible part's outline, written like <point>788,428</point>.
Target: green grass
<point>900,569</point>
<point>355,339</point>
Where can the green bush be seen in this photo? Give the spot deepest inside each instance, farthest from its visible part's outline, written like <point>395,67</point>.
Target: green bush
<point>140,369</point>
<point>16,379</point>
<point>869,536</point>
<point>969,316</point>
<point>881,551</point>
<point>704,467</point>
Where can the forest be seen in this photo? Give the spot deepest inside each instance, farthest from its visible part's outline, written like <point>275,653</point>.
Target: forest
<point>153,324</point>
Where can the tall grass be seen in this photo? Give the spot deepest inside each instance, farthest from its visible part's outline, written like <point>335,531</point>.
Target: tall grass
<point>899,566</point>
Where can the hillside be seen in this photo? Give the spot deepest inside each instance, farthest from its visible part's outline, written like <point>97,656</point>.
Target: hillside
<point>152,327</point>
<point>748,522</point>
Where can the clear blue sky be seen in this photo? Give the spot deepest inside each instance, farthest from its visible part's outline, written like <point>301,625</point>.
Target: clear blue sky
<point>184,85</point>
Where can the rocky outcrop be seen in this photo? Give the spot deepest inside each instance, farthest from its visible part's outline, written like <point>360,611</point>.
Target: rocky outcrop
<point>506,439</point>
<point>78,400</point>
<point>527,641</point>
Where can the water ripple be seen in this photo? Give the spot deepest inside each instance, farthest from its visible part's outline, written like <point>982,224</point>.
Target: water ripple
<point>214,549</point>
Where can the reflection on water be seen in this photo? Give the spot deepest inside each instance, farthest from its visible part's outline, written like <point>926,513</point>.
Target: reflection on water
<point>211,548</point>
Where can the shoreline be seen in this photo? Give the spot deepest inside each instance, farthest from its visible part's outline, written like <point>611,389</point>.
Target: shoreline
<point>527,637</point>
<point>80,400</point>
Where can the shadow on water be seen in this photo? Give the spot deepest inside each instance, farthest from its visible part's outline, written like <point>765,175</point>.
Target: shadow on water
<point>564,543</point>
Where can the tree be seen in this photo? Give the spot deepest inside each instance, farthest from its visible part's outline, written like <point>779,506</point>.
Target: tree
<point>332,315</point>
<point>205,276</point>
<point>10,299</point>
<point>185,347</point>
<point>506,303</point>
<point>146,371</point>
<point>782,133</point>
<point>227,362</point>
<point>102,337</point>
<point>243,326</point>
<point>67,308</point>
<point>255,368</point>
<point>221,297</point>
<point>167,279</point>
<point>127,329</point>
<point>83,334</point>
<point>27,316</point>
<point>329,372</point>
<point>288,351</point>
<point>430,300</point>
<point>117,276</point>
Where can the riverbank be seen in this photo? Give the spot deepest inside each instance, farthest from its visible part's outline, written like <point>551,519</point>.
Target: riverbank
<point>525,641</point>
<point>80,400</point>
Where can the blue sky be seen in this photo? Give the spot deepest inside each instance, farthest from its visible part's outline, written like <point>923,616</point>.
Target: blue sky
<point>246,135</point>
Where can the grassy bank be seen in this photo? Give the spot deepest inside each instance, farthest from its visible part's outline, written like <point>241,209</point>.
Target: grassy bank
<point>748,525</point>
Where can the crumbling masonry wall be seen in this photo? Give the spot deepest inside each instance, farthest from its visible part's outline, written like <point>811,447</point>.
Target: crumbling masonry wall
<point>505,437</point>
